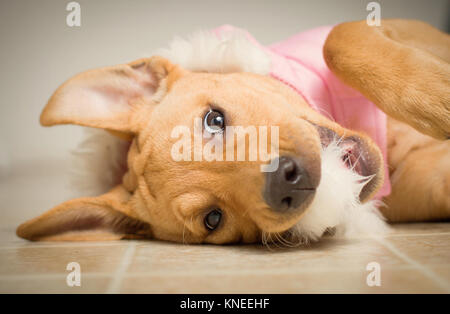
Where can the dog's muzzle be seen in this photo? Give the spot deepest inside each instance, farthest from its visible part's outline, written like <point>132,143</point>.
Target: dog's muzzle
<point>290,187</point>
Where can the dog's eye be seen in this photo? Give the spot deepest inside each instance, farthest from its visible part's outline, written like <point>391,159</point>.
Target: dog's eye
<point>212,220</point>
<point>214,121</point>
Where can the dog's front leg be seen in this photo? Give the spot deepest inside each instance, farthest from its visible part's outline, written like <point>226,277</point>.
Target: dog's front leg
<point>402,66</point>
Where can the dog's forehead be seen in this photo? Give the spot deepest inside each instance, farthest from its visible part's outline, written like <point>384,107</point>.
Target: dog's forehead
<point>226,84</point>
<point>246,97</point>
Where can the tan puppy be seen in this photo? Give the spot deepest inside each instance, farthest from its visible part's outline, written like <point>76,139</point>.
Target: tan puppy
<point>200,201</point>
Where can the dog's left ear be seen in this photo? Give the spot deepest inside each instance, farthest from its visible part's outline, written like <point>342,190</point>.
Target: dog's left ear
<point>106,97</point>
<point>106,217</point>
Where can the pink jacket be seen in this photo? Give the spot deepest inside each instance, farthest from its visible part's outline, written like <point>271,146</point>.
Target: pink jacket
<point>298,62</point>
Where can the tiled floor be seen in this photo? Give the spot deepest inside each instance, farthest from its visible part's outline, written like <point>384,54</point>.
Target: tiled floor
<point>414,258</point>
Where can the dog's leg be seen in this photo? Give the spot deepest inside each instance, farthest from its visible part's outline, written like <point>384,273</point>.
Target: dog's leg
<point>420,175</point>
<point>402,66</point>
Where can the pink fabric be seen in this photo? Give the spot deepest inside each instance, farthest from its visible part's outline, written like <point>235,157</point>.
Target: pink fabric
<point>298,62</point>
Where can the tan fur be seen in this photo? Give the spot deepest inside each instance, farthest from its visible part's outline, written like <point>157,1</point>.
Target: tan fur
<point>402,66</point>
<point>419,167</point>
<point>89,218</point>
<point>168,200</point>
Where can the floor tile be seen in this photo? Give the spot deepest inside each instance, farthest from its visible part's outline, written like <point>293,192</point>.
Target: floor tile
<point>53,284</point>
<point>427,250</point>
<point>332,265</point>
<point>157,258</point>
<point>54,259</point>
<point>443,271</point>
<point>392,281</point>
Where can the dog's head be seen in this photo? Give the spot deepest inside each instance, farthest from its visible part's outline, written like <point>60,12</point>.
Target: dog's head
<point>173,189</point>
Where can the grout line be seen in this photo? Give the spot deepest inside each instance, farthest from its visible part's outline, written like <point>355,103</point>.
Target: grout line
<point>251,272</point>
<point>171,273</point>
<point>393,235</point>
<point>60,245</point>
<point>443,284</point>
<point>182,273</point>
<point>50,276</point>
<point>116,282</point>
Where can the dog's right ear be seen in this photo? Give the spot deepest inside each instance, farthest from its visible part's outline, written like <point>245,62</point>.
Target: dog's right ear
<point>106,97</point>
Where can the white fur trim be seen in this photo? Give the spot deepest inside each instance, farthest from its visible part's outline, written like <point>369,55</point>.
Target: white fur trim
<point>203,51</point>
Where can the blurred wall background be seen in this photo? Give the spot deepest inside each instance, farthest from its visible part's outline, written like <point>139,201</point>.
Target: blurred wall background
<point>39,51</point>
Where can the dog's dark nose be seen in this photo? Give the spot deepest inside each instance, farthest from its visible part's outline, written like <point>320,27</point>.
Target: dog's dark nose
<point>289,186</point>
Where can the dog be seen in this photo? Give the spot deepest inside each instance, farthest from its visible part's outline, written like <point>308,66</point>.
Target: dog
<point>389,155</point>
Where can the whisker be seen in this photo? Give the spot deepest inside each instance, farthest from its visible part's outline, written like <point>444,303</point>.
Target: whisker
<point>276,242</point>
<point>285,241</point>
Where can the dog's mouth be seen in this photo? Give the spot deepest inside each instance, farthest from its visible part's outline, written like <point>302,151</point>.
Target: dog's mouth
<point>354,157</point>
<point>357,156</point>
